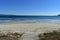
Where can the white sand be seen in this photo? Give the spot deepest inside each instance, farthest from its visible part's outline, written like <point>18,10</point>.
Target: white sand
<point>30,29</point>
<point>29,36</point>
<point>29,26</point>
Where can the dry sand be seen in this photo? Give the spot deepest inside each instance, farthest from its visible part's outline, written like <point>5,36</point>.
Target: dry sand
<point>38,27</point>
<point>30,29</point>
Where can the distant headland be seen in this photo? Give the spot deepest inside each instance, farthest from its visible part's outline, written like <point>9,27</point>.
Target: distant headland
<point>59,15</point>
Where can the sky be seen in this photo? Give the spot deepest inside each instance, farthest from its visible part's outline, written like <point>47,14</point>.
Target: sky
<point>30,7</point>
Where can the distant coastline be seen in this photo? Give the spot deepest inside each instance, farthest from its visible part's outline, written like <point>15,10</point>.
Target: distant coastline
<point>59,15</point>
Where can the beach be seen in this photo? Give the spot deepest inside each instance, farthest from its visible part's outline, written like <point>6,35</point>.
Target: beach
<point>30,30</point>
<point>38,27</point>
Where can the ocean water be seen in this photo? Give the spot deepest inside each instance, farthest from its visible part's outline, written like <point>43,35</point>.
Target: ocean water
<point>12,18</point>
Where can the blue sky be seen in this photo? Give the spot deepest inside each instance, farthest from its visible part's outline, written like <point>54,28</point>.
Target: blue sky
<point>30,7</point>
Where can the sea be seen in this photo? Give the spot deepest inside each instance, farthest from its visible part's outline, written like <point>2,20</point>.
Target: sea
<point>20,18</point>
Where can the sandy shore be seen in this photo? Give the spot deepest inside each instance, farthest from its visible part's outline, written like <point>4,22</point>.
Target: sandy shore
<point>31,30</point>
<point>38,27</point>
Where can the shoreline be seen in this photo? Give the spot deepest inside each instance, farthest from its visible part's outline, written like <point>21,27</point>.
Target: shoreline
<point>31,22</point>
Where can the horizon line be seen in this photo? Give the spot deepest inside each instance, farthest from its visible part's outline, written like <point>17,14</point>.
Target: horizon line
<point>29,15</point>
